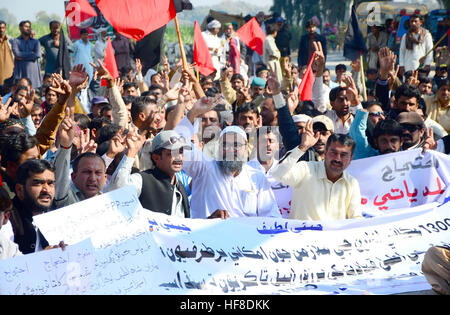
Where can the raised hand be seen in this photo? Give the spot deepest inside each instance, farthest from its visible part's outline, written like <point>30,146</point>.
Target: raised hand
<point>429,142</point>
<point>78,78</point>
<point>272,81</point>
<point>413,79</point>
<point>393,76</point>
<point>138,66</point>
<point>352,90</point>
<point>90,146</point>
<point>387,59</point>
<point>5,110</point>
<point>26,104</point>
<point>292,100</point>
<point>319,59</point>
<point>184,94</point>
<point>203,105</point>
<point>116,145</point>
<point>134,142</point>
<point>102,72</point>
<point>309,138</point>
<point>67,129</point>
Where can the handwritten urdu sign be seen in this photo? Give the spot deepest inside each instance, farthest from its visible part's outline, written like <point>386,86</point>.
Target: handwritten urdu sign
<point>401,180</point>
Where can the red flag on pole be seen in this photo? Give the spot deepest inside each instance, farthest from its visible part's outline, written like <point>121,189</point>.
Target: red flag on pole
<point>202,57</point>
<point>137,18</point>
<point>306,86</point>
<point>234,56</point>
<point>110,61</point>
<point>252,35</point>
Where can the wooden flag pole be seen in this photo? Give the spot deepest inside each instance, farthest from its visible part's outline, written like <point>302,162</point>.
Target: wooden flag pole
<point>183,54</point>
<point>363,78</point>
<point>434,47</point>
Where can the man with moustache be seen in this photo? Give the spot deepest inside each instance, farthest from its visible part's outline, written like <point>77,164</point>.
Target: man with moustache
<point>27,52</point>
<point>327,181</point>
<point>35,190</point>
<point>227,186</point>
<point>158,189</point>
<point>51,44</point>
<point>414,130</point>
<point>89,170</point>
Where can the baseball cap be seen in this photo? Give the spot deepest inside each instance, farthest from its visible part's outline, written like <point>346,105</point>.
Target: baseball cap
<point>99,100</point>
<point>324,120</point>
<point>169,139</point>
<point>410,118</point>
<point>259,82</point>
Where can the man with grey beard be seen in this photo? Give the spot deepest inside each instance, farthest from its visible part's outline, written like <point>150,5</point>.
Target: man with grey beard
<point>226,186</point>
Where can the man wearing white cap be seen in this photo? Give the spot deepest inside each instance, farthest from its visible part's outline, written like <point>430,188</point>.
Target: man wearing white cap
<point>226,187</point>
<point>214,44</point>
<point>100,44</point>
<point>158,189</point>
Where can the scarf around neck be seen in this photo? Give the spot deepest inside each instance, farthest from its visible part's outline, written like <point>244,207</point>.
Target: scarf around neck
<point>412,40</point>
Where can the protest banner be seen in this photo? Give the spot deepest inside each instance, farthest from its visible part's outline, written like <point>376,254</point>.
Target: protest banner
<point>49,272</point>
<point>138,251</point>
<point>401,180</point>
<point>169,255</point>
<point>112,217</point>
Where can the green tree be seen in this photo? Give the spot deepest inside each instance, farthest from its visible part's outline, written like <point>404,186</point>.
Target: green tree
<point>8,17</point>
<point>43,18</point>
<point>297,12</point>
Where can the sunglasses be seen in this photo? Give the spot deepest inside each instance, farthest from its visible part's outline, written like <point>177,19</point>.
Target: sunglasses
<point>376,114</point>
<point>172,140</point>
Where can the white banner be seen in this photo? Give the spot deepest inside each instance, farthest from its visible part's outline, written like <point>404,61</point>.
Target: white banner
<point>401,180</point>
<point>52,272</point>
<point>141,252</point>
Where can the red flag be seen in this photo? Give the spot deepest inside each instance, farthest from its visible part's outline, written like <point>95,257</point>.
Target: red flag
<point>234,56</point>
<point>306,86</point>
<point>137,18</point>
<point>110,61</point>
<point>202,57</point>
<point>252,35</point>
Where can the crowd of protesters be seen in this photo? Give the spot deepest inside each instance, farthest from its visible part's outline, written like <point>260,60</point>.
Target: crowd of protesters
<point>236,143</point>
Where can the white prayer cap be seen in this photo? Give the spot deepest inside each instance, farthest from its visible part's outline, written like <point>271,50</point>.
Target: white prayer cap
<point>301,118</point>
<point>101,29</point>
<point>235,129</point>
<point>214,24</point>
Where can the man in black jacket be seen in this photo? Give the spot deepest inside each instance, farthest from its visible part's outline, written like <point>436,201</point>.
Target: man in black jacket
<point>35,190</point>
<point>306,47</point>
<point>158,189</point>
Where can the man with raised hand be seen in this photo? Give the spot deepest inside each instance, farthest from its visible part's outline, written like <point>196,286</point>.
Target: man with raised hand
<point>321,190</point>
<point>226,187</point>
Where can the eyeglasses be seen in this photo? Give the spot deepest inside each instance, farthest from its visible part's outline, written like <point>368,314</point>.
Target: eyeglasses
<point>376,114</point>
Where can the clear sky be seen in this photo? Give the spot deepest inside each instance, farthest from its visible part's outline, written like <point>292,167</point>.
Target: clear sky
<point>27,9</point>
